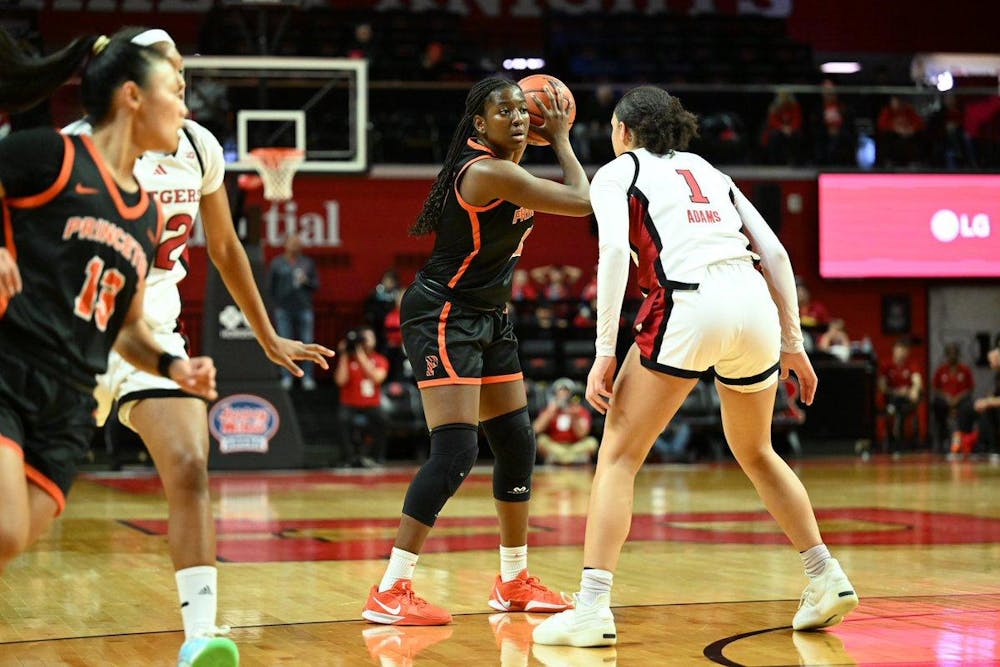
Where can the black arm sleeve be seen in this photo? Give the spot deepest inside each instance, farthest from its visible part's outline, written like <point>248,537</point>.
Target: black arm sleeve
<point>30,161</point>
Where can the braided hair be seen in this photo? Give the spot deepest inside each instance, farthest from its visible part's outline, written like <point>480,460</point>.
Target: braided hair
<point>657,119</point>
<point>475,102</point>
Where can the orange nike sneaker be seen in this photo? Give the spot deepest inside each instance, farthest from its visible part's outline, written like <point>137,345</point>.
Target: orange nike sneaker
<point>401,606</point>
<point>526,593</point>
<point>400,646</point>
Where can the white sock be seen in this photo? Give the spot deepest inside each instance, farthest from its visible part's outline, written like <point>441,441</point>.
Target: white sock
<point>198,590</point>
<point>814,559</point>
<point>512,561</point>
<point>594,583</point>
<point>401,566</point>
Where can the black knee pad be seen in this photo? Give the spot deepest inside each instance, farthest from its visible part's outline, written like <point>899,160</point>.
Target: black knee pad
<point>512,440</point>
<point>454,448</point>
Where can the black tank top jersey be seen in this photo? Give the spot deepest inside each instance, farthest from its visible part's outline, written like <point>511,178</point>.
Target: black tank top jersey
<point>82,252</point>
<point>477,247</point>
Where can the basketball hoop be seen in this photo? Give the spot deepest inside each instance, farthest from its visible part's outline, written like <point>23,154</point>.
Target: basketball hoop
<point>277,167</point>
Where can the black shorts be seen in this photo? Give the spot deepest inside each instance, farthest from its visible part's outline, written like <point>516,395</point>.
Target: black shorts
<point>49,421</point>
<point>448,343</point>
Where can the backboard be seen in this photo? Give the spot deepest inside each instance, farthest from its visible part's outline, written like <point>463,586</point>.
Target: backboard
<point>317,105</point>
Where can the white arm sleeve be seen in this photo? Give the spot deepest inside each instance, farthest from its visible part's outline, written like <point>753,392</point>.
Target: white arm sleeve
<point>609,197</point>
<point>777,269</point>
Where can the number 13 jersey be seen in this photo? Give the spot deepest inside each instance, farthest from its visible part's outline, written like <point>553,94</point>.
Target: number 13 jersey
<point>82,246</point>
<point>177,180</point>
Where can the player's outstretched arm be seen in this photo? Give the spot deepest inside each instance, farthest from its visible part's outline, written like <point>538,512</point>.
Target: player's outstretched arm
<point>137,346</point>
<point>230,258</point>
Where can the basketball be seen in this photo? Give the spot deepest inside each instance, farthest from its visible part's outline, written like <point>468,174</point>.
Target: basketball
<point>537,84</point>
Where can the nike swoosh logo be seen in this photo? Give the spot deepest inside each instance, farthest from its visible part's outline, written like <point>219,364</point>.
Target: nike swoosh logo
<point>82,189</point>
<point>391,610</point>
<point>504,603</point>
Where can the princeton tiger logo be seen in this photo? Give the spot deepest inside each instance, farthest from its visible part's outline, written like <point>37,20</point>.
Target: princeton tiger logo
<point>432,363</point>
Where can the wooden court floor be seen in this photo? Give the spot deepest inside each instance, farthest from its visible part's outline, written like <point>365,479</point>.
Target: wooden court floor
<point>706,579</point>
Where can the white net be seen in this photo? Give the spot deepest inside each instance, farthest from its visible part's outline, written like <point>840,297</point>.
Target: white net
<point>277,167</point>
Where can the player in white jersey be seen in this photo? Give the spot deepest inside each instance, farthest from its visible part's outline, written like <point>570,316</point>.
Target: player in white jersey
<point>172,424</point>
<point>697,242</point>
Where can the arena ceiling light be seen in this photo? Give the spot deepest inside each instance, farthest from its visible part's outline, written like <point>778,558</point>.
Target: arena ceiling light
<point>840,67</point>
<point>524,63</point>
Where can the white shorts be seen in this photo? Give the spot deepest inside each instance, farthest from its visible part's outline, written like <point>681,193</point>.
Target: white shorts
<point>126,384</point>
<point>728,321</point>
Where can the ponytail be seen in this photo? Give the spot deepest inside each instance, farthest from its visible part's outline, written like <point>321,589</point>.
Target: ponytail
<point>25,80</point>
<point>107,63</point>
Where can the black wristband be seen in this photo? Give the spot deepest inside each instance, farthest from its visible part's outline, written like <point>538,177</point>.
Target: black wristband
<point>163,364</point>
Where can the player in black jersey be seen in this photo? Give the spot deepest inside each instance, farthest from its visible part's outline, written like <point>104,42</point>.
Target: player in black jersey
<point>77,240</point>
<point>461,344</point>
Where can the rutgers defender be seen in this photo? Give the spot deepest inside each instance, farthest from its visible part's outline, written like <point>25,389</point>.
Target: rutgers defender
<point>696,239</point>
<point>461,343</point>
<point>78,237</point>
<point>173,425</point>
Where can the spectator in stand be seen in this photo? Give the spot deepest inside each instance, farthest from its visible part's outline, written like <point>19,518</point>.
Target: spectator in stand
<point>900,383</point>
<point>360,374</point>
<point>292,280</point>
<point>835,136</point>
<point>899,132</point>
<point>563,427</point>
<point>521,288</point>
<point>951,401</point>
<point>988,409</point>
<point>812,314</point>
<point>393,342</point>
<point>589,291</point>
<point>556,281</point>
<point>835,340</point>
<point>951,146</point>
<point>782,138</point>
<point>381,301</point>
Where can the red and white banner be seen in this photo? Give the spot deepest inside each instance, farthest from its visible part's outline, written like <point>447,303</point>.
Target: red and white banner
<point>909,226</point>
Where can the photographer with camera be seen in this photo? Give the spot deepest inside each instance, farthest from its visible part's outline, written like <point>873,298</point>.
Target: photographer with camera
<point>563,427</point>
<point>360,373</point>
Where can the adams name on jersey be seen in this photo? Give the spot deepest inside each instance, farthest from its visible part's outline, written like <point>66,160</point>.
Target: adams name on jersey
<point>177,180</point>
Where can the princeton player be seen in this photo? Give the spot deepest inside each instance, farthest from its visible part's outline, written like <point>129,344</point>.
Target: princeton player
<point>79,234</point>
<point>696,240</point>
<point>172,424</point>
<point>461,343</point>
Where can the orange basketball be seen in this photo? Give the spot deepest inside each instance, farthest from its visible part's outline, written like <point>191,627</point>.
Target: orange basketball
<point>537,85</point>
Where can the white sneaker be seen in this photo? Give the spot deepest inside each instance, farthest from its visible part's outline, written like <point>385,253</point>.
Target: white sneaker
<point>584,625</point>
<point>826,600</point>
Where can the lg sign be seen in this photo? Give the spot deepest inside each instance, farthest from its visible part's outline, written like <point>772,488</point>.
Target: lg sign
<point>908,226</point>
<point>946,226</point>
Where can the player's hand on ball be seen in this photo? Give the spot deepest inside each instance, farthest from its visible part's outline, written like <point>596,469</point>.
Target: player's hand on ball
<point>195,376</point>
<point>556,112</point>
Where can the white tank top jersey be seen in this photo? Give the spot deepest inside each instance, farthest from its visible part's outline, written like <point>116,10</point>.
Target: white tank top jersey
<point>178,181</point>
<point>676,214</point>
